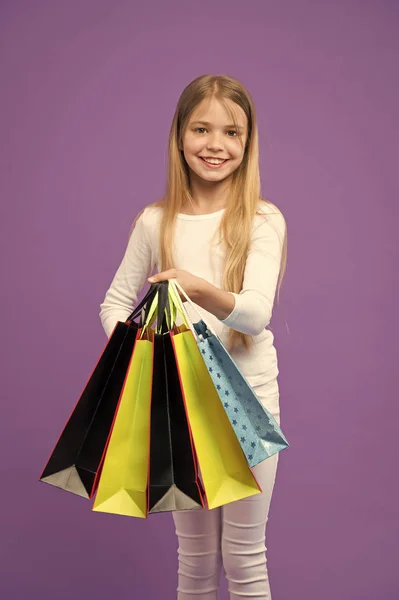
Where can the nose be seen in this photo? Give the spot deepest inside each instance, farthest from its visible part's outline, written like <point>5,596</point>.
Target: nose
<point>214,142</point>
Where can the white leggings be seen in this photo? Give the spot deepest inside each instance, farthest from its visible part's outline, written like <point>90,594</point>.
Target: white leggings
<point>232,535</point>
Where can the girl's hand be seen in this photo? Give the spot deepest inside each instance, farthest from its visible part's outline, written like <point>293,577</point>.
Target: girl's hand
<point>190,283</point>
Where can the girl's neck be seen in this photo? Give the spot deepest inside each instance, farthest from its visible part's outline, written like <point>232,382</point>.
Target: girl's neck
<point>207,199</point>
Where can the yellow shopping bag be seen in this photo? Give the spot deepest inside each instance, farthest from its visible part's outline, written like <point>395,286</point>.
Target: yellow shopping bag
<point>224,468</point>
<point>122,487</point>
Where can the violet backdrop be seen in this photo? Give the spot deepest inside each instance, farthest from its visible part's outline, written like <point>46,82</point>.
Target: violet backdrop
<point>88,91</point>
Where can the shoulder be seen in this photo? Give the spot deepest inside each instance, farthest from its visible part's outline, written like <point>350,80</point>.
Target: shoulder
<point>266,207</point>
<point>147,218</point>
<point>151,215</point>
<point>268,215</point>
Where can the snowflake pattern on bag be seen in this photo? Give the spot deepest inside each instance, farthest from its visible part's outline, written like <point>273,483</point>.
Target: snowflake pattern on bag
<point>257,430</point>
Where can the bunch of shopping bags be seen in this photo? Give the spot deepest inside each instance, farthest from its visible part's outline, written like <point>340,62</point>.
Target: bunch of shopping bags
<point>166,420</point>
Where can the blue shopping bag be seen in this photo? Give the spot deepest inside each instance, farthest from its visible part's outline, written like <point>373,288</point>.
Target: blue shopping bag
<point>258,432</point>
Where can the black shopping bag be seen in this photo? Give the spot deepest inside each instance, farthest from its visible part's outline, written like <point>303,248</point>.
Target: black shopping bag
<point>75,462</point>
<point>174,482</point>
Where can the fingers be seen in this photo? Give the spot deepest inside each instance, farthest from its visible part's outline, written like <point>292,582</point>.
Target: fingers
<point>170,274</point>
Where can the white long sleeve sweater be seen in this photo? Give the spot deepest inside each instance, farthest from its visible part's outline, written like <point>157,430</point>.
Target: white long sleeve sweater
<point>193,252</point>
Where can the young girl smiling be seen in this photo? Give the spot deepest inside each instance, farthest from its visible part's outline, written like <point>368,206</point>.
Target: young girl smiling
<point>213,191</point>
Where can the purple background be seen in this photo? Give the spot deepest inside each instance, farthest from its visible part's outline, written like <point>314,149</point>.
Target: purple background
<point>88,91</point>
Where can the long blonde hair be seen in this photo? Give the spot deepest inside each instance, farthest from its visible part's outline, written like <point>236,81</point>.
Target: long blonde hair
<point>242,206</point>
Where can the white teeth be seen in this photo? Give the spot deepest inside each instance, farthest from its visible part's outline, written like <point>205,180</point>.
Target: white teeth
<point>213,161</point>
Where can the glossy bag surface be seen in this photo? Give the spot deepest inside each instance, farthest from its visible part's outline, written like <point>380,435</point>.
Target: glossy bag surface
<point>257,431</point>
<point>174,483</point>
<point>75,461</point>
<point>122,486</point>
<point>226,475</point>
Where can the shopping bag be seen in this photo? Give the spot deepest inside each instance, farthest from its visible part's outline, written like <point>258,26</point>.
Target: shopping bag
<point>258,432</point>
<point>122,485</point>
<point>76,459</point>
<point>174,482</point>
<point>226,475</point>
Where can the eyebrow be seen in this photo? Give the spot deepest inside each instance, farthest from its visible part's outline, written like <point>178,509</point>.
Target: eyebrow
<point>207,123</point>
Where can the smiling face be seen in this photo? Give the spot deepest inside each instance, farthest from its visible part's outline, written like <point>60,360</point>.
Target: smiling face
<point>210,134</point>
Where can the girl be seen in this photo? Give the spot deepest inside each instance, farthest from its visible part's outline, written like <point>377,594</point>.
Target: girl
<point>213,187</point>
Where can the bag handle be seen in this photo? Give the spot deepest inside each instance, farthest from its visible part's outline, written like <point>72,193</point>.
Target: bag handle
<point>182,310</point>
<point>178,305</point>
<point>159,309</point>
<point>177,285</point>
<point>149,317</point>
<point>165,318</point>
<point>147,298</point>
<point>146,309</point>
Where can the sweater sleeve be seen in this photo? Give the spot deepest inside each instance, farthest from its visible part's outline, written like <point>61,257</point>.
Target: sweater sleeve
<point>136,266</point>
<point>254,304</point>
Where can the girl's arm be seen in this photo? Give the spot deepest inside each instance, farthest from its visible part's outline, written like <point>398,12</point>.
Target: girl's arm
<point>137,264</point>
<point>250,311</point>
